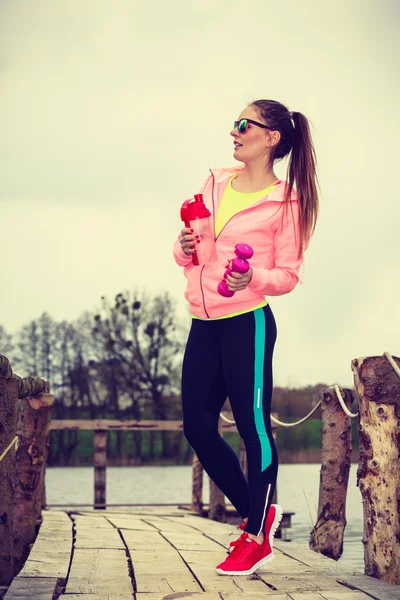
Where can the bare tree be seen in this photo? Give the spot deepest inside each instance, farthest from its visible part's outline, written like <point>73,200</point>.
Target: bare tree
<point>141,350</point>
<point>6,344</point>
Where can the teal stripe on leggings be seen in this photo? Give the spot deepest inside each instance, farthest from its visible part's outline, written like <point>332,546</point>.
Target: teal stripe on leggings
<point>266,454</point>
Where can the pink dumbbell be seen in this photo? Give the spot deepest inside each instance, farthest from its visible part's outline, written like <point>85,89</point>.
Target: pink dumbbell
<point>238,264</point>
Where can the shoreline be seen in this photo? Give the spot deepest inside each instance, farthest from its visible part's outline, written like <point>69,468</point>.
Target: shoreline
<point>285,457</point>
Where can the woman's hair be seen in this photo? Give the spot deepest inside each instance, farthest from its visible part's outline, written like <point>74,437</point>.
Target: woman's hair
<point>302,172</point>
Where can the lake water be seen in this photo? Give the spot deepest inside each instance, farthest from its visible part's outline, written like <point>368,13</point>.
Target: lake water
<point>298,487</point>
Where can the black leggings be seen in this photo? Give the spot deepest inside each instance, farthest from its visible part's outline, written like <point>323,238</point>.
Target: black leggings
<point>233,358</point>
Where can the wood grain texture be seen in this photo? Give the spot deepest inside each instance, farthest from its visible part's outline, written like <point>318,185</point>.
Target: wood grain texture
<point>24,588</point>
<point>8,429</point>
<point>378,388</point>
<point>33,429</point>
<point>327,534</point>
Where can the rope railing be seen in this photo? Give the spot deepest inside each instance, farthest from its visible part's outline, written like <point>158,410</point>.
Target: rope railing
<point>342,404</point>
<point>339,397</point>
<point>392,362</point>
<point>10,445</point>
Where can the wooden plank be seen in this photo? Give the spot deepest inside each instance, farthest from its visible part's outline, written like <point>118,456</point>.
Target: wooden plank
<point>99,570</point>
<point>206,525</point>
<point>172,596</point>
<point>129,522</point>
<point>96,533</point>
<point>23,588</point>
<point>303,554</point>
<point>203,566</point>
<point>99,542</point>
<point>191,541</point>
<point>283,565</point>
<point>165,525</point>
<point>370,585</point>
<point>125,425</point>
<point>306,596</point>
<point>52,546</point>
<point>100,596</point>
<point>345,595</point>
<point>56,515</point>
<point>50,556</point>
<point>46,564</point>
<point>162,571</point>
<point>257,596</point>
<point>152,539</point>
<point>99,522</point>
<point>312,581</point>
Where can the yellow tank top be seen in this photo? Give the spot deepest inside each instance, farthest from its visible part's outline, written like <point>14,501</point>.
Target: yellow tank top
<point>233,202</point>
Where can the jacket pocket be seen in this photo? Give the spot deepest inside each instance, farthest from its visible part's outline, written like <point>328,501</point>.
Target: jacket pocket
<point>192,292</point>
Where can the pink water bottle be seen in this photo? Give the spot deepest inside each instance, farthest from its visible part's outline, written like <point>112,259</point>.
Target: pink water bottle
<point>196,215</point>
<point>238,264</point>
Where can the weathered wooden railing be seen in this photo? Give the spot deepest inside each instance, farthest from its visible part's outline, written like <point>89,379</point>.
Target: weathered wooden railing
<point>101,428</point>
<point>377,381</point>
<point>25,412</point>
<point>327,534</point>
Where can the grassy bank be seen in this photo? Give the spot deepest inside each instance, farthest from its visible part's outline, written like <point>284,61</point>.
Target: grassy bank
<point>301,444</point>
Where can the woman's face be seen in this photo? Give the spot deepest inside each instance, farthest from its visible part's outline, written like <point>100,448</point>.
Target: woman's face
<point>254,144</point>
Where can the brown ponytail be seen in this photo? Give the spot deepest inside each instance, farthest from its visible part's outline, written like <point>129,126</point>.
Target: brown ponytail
<point>295,139</point>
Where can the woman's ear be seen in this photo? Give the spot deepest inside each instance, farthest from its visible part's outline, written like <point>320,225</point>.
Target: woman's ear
<point>273,138</point>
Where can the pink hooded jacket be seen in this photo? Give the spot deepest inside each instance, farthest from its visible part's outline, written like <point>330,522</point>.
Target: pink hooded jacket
<point>272,232</point>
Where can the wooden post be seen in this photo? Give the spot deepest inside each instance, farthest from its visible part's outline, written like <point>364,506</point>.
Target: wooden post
<point>378,475</point>
<point>217,509</point>
<point>8,427</point>
<point>100,465</point>
<point>33,429</point>
<point>197,486</point>
<point>327,534</point>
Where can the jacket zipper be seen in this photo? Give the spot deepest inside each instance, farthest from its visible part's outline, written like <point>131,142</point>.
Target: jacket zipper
<point>202,292</point>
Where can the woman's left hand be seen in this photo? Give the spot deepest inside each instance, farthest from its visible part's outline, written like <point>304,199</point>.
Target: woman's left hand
<point>239,281</point>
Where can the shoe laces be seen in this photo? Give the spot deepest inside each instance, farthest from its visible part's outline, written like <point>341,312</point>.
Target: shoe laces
<point>244,545</point>
<point>238,541</point>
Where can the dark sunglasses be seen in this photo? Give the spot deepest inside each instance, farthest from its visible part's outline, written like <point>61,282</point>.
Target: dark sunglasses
<point>243,124</point>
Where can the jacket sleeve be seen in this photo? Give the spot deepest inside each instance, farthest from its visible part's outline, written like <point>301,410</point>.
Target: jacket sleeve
<point>180,257</point>
<point>285,274</point>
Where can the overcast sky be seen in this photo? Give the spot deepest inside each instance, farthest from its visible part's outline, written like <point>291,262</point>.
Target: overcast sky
<point>112,112</point>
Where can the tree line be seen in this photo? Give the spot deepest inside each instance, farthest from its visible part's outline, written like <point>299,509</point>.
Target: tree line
<point>121,362</point>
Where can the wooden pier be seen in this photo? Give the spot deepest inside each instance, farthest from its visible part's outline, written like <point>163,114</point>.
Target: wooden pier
<point>163,553</point>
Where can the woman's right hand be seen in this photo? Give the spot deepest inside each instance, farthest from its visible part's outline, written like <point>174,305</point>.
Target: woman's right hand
<point>188,241</point>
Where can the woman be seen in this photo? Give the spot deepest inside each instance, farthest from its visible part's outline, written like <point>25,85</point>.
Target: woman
<point>231,341</point>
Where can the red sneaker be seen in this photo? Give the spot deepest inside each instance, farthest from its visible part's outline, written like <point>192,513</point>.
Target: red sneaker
<point>274,517</point>
<point>274,509</point>
<point>245,558</point>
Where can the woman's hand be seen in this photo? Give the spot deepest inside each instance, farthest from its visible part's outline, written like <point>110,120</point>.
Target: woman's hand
<point>188,241</point>
<point>239,281</point>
